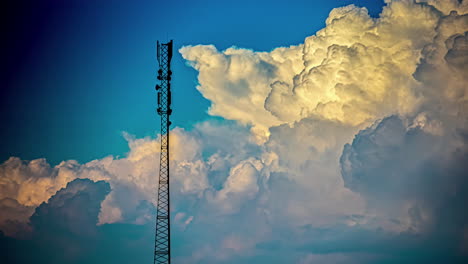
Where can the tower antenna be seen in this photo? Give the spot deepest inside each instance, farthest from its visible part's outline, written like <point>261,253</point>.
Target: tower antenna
<point>162,247</point>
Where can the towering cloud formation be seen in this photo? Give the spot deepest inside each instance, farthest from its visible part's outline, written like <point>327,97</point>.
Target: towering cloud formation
<point>359,132</point>
<point>355,70</point>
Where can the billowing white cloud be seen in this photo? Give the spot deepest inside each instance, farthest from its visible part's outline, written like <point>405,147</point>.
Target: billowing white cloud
<point>411,167</point>
<point>133,179</point>
<point>355,70</point>
<point>240,186</point>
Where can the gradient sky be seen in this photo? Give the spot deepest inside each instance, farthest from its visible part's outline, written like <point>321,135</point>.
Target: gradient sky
<point>79,74</point>
<point>303,132</point>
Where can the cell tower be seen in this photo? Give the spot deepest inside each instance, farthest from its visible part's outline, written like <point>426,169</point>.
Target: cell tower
<point>162,247</point>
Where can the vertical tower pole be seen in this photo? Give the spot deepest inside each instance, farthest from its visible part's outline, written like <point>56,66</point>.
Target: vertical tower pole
<point>162,247</point>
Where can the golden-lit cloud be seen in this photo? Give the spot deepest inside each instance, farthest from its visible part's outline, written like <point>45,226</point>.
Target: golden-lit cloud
<point>355,70</point>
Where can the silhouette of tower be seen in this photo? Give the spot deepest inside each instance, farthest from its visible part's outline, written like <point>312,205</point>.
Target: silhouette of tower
<point>162,247</point>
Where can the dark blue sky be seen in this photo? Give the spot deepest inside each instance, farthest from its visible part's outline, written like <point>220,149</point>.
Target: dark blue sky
<point>79,73</point>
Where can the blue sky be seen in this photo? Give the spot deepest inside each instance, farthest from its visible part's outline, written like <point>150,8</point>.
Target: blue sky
<point>82,73</point>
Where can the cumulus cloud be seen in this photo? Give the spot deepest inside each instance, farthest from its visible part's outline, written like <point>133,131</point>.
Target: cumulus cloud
<point>397,167</point>
<point>64,230</point>
<point>353,141</point>
<point>74,208</point>
<point>400,77</point>
<point>411,168</point>
<point>355,70</point>
<point>133,179</point>
<point>240,186</point>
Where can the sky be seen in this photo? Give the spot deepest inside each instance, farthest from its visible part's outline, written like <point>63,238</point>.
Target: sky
<point>303,132</point>
<point>79,74</point>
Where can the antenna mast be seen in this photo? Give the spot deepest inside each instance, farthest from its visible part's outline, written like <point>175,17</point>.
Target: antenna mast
<point>162,247</point>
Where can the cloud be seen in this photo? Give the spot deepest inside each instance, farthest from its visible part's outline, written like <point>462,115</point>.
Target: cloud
<point>63,229</point>
<point>411,168</point>
<point>399,78</point>
<point>355,70</point>
<point>74,208</point>
<point>414,181</point>
<point>13,221</point>
<point>240,186</point>
<point>29,183</point>
<point>198,163</point>
<point>335,258</point>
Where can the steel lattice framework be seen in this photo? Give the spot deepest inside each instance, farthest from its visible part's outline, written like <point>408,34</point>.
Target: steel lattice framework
<point>162,248</point>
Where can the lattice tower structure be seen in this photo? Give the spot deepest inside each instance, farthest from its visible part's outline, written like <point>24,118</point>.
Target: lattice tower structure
<point>162,247</point>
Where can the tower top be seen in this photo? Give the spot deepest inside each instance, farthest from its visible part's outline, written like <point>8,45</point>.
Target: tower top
<point>164,49</point>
